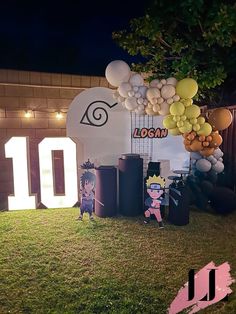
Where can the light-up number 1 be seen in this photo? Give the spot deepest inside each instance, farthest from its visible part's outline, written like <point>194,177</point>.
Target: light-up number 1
<point>17,149</point>
<point>46,172</point>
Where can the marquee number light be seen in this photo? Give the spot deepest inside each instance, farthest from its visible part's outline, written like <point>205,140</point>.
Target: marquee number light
<point>17,149</point>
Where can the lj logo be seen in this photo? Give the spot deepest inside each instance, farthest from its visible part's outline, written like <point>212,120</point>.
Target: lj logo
<point>212,286</point>
<point>208,286</point>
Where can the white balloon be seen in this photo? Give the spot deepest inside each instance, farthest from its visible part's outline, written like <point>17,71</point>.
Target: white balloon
<point>220,159</point>
<point>140,101</point>
<point>135,88</point>
<point>218,167</point>
<point>213,161</point>
<point>203,165</point>
<point>131,103</point>
<point>115,94</point>
<point>142,90</point>
<point>139,111</point>
<point>218,153</point>
<point>195,156</point>
<point>121,99</point>
<point>137,95</point>
<point>165,109</point>
<point>117,72</point>
<point>145,102</point>
<point>171,81</point>
<point>140,107</point>
<point>136,80</point>
<point>131,93</point>
<point>124,88</point>
<point>154,83</point>
<point>152,92</point>
<point>167,91</point>
<point>210,158</point>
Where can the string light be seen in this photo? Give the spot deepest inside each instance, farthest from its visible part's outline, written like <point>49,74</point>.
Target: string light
<point>59,115</point>
<point>27,114</point>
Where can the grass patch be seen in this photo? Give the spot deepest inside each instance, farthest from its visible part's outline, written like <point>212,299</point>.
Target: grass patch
<point>51,263</point>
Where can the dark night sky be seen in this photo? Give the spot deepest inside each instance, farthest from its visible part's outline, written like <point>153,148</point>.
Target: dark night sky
<point>70,38</point>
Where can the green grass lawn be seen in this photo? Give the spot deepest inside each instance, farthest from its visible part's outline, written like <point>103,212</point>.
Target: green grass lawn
<point>51,263</point>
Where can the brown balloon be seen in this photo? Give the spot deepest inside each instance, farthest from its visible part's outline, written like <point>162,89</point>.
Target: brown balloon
<point>196,145</point>
<point>187,142</point>
<point>187,147</point>
<point>190,137</point>
<point>207,151</point>
<point>216,140</point>
<point>220,119</point>
<point>202,138</point>
<point>205,144</point>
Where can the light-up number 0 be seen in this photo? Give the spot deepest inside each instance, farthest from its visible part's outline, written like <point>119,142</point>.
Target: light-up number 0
<point>17,149</point>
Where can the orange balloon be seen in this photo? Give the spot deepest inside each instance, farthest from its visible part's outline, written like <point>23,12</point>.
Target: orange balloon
<point>187,142</point>
<point>202,138</point>
<point>220,119</point>
<point>190,137</point>
<point>207,151</point>
<point>196,145</point>
<point>205,144</point>
<point>209,138</point>
<point>216,140</point>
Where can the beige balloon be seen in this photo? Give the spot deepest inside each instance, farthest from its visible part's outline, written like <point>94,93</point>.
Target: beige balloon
<point>171,81</point>
<point>150,112</point>
<point>156,108</point>
<point>153,101</point>
<point>154,83</point>
<point>176,98</point>
<point>165,109</point>
<point>153,92</point>
<point>160,100</point>
<point>170,101</point>
<point>167,91</point>
<point>163,81</point>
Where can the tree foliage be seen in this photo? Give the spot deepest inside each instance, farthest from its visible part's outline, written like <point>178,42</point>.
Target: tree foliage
<point>185,38</point>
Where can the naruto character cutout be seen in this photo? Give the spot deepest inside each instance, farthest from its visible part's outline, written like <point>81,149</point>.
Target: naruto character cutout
<point>155,189</point>
<point>87,185</point>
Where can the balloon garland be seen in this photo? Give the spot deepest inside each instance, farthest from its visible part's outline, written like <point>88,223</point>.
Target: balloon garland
<point>173,100</point>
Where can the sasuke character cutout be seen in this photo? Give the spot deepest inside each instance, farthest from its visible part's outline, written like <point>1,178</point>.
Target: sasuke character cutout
<point>155,189</point>
<point>87,183</point>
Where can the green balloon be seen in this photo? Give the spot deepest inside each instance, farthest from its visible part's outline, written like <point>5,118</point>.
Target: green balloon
<point>205,129</point>
<point>177,108</point>
<point>186,88</point>
<point>174,131</point>
<point>186,128</point>
<point>192,111</point>
<point>169,123</point>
